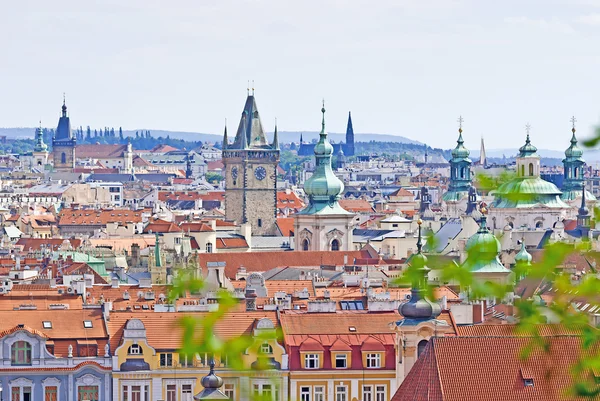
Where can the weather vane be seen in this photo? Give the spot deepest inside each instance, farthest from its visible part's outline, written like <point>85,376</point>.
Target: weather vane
<point>527,128</point>
<point>573,121</point>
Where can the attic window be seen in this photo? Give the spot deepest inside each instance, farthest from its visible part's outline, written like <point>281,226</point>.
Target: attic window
<point>47,324</point>
<point>352,329</point>
<point>528,382</point>
<point>87,324</point>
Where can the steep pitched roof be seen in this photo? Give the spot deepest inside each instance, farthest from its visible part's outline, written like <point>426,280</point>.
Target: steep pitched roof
<point>356,205</point>
<point>100,151</point>
<point>285,226</point>
<point>491,368</point>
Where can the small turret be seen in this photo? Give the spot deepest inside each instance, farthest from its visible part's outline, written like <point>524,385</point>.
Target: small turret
<point>275,144</point>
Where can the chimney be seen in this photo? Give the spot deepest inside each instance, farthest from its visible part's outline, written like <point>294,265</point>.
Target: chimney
<point>246,232</point>
<point>135,255</point>
<point>114,282</point>
<point>251,300</point>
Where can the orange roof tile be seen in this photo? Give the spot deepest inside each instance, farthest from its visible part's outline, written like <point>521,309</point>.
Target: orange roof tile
<point>286,226</point>
<point>99,217</point>
<point>356,205</point>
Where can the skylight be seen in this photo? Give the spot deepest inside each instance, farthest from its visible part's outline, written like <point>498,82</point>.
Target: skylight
<point>87,324</point>
<point>47,324</point>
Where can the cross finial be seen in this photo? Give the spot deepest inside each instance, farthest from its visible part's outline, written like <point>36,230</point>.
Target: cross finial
<point>573,121</point>
<point>248,88</point>
<point>527,128</point>
<point>460,122</point>
<point>64,98</point>
<point>252,87</point>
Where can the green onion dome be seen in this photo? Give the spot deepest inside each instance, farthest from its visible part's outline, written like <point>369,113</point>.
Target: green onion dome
<point>523,257</point>
<point>528,149</point>
<point>573,151</point>
<point>460,152</point>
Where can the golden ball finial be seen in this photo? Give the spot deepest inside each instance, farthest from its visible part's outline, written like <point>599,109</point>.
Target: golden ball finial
<point>419,222</point>
<point>483,210</point>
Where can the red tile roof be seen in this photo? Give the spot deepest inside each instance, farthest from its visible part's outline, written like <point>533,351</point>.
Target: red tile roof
<point>166,227</point>
<point>286,226</point>
<point>491,368</point>
<point>98,217</point>
<point>289,200</point>
<point>195,227</point>
<point>35,244</point>
<point>100,151</point>
<point>231,243</point>
<point>213,165</point>
<point>356,205</point>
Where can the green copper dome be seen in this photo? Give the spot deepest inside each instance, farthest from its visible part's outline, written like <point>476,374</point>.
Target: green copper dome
<point>323,187</point>
<point>523,192</point>
<point>573,151</point>
<point>484,243</point>
<point>460,152</point>
<point>528,149</point>
<point>523,257</point>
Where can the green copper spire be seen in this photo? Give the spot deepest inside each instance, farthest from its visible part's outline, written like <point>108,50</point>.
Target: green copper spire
<point>157,260</point>
<point>40,146</point>
<point>323,187</point>
<point>460,170</point>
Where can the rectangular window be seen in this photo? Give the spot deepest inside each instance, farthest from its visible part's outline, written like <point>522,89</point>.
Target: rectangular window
<point>367,393</point>
<point>341,361</point>
<point>319,393</point>
<point>186,392</point>
<point>125,393</point>
<point>340,393</point>
<point>186,360</point>
<point>15,394</point>
<point>229,390</point>
<point>311,361</point>
<point>267,391</point>
<point>171,392</point>
<point>51,393</point>
<point>373,360</point>
<point>380,393</point>
<point>87,393</point>
<point>136,393</point>
<point>166,360</point>
<point>260,222</point>
<point>304,393</point>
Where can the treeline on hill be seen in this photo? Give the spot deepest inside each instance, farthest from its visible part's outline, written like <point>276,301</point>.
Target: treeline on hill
<point>407,150</point>
<point>141,140</point>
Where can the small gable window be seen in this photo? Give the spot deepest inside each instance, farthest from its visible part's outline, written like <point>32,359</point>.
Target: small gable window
<point>311,361</point>
<point>135,349</point>
<point>265,348</point>
<point>20,353</point>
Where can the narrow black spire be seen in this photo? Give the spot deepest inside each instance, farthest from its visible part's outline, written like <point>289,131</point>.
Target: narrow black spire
<point>349,151</point>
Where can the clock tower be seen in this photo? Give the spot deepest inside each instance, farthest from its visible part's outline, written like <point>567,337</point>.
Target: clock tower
<point>251,173</point>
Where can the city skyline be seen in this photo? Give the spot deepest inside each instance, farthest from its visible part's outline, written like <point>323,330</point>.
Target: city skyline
<point>401,68</point>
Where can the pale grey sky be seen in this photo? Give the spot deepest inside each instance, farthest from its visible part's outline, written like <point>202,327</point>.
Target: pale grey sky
<point>403,67</point>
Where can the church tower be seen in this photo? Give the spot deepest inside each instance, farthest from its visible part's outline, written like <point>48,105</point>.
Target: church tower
<point>349,148</point>
<point>63,143</point>
<point>460,177</point>
<point>40,151</point>
<point>574,172</point>
<point>251,173</point>
<point>323,225</point>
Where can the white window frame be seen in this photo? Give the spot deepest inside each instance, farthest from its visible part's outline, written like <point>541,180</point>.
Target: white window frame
<point>258,388</point>
<point>128,384</point>
<point>265,349</point>
<point>314,358</point>
<point>319,393</point>
<point>305,393</point>
<point>89,380</point>
<point>179,383</point>
<point>373,360</point>
<point>51,382</point>
<point>229,387</point>
<point>21,383</point>
<point>341,356</point>
<point>341,395</point>
<point>367,392</point>
<point>191,393</point>
<point>380,392</point>
<point>138,349</point>
<point>166,354</point>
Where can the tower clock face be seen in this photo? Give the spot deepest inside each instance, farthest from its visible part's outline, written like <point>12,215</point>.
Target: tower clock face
<point>260,173</point>
<point>234,173</point>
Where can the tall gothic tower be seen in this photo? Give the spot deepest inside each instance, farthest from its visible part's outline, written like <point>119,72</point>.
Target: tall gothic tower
<point>63,143</point>
<point>349,149</point>
<point>251,173</point>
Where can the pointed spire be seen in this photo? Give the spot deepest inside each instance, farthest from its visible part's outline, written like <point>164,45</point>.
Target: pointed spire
<point>301,141</point>
<point>225,140</point>
<point>244,144</point>
<point>64,105</point>
<point>323,121</point>
<point>583,210</point>
<point>157,260</point>
<point>275,144</point>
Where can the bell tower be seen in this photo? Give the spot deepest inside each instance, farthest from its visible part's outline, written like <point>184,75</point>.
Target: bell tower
<point>63,143</point>
<point>251,173</point>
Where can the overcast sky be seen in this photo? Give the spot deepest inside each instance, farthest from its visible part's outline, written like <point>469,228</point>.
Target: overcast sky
<point>402,67</point>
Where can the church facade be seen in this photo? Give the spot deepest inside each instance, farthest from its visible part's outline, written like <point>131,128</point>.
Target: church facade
<point>250,167</point>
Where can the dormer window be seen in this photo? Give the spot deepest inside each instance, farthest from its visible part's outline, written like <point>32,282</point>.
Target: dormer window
<point>20,353</point>
<point>135,349</point>
<point>265,348</point>
<point>528,382</point>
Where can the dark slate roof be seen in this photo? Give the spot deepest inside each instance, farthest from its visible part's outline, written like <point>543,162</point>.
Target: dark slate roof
<point>156,177</point>
<point>449,230</point>
<point>181,204</point>
<point>251,127</point>
<point>111,177</point>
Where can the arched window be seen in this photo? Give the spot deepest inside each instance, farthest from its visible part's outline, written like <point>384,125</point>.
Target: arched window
<point>305,245</point>
<point>539,224</point>
<point>462,172</point>
<point>421,347</point>
<point>20,353</point>
<point>531,169</point>
<point>522,171</point>
<point>335,245</point>
<point>575,172</point>
<point>511,224</point>
<point>209,247</point>
<point>135,349</point>
<point>63,158</point>
<point>265,349</point>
